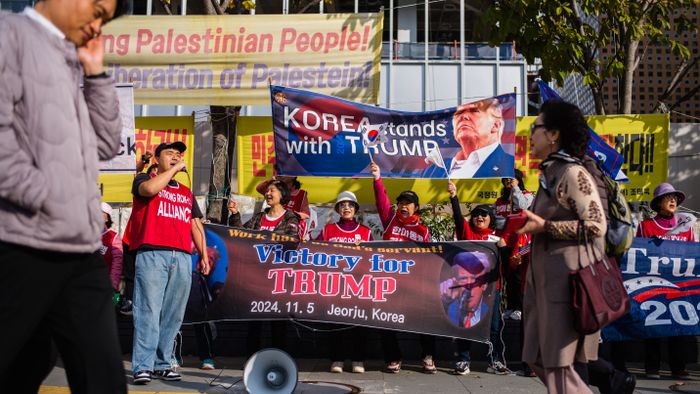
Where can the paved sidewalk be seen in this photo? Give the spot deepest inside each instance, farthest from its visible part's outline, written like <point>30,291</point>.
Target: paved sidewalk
<point>314,378</point>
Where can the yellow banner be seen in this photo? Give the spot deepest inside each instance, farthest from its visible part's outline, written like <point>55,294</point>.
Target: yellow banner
<point>150,132</point>
<point>230,60</point>
<point>642,139</point>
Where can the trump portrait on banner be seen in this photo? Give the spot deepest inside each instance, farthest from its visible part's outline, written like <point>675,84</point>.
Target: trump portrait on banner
<point>478,128</point>
<point>463,294</point>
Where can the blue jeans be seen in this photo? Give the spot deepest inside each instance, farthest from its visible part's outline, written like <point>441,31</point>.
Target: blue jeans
<point>464,346</point>
<point>161,288</point>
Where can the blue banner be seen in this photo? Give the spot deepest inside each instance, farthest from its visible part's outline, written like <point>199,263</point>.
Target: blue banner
<point>321,135</point>
<point>609,159</point>
<point>663,281</point>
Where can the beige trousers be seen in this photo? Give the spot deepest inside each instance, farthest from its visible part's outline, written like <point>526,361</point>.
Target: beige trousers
<point>562,380</point>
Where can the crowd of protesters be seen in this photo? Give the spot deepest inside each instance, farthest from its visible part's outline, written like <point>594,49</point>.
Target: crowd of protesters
<point>52,220</point>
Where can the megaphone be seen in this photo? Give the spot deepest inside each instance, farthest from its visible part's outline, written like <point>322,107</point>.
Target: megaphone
<point>270,371</point>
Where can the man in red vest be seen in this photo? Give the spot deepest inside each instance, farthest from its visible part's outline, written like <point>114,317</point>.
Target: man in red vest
<point>165,222</point>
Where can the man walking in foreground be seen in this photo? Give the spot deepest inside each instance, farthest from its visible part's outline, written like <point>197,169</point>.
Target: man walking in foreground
<point>54,284</point>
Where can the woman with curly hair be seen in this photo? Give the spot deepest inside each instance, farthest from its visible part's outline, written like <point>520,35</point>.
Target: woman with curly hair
<point>567,206</point>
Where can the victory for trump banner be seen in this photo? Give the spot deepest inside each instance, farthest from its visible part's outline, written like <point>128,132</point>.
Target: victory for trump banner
<point>325,136</point>
<point>663,282</point>
<point>442,289</point>
<point>230,59</point>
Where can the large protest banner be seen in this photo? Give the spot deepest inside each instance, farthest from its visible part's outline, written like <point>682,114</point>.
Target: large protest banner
<point>231,59</point>
<point>443,289</point>
<point>628,133</point>
<point>663,281</point>
<point>149,132</point>
<point>326,136</point>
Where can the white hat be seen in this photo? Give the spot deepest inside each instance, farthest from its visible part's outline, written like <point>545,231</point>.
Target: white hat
<point>106,208</point>
<point>346,196</point>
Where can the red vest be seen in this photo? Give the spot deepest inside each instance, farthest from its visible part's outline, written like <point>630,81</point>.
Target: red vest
<point>163,220</point>
<point>333,233</point>
<point>651,228</point>
<point>470,235</point>
<point>106,248</point>
<point>503,207</point>
<point>398,231</point>
<point>296,202</point>
<point>270,225</point>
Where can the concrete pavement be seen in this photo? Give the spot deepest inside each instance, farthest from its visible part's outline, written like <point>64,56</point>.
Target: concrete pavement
<point>315,378</point>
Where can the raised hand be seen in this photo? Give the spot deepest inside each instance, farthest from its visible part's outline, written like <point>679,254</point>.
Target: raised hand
<point>451,188</point>
<point>374,169</point>
<point>233,206</point>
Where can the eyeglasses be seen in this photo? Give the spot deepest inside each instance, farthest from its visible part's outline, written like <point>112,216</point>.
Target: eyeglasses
<point>346,204</point>
<point>480,212</point>
<point>535,126</point>
<point>669,197</point>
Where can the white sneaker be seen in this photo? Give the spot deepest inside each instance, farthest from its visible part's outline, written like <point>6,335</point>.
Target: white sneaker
<point>516,315</point>
<point>498,368</point>
<point>337,367</point>
<point>462,367</point>
<point>358,367</point>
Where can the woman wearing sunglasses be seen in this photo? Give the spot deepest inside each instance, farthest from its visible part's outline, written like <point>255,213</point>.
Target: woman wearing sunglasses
<point>566,209</point>
<point>349,342</point>
<point>401,224</point>
<point>480,227</point>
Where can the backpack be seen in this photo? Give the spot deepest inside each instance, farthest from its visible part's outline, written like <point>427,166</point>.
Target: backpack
<point>620,232</point>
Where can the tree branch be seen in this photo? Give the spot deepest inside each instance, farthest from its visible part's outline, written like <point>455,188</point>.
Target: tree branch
<point>309,5</point>
<point>217,6</point>
<point>166,7</point>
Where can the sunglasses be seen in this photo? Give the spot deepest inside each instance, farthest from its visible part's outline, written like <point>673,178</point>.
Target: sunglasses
<point>480,212</point>
<point>535,126</point>
<point>346,204</point>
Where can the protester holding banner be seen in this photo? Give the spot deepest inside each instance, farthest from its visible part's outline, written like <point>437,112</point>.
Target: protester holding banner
<point>480,227</point>
<point>166,221</point>
<point>516,254</point>
<point>349,342</point>
<point>298,199</point>
<point>514,198</point>
<point>567,204</point>
<point>279,220</point>
<point>54,284</point>
<point>668,225</point>
<point>401,224</point>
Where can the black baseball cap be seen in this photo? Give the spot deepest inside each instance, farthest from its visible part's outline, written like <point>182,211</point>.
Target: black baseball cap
<point>408,195</point>
<point>177,145</point>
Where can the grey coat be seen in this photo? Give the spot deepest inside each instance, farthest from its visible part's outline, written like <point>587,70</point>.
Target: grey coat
<point>52,136</point>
